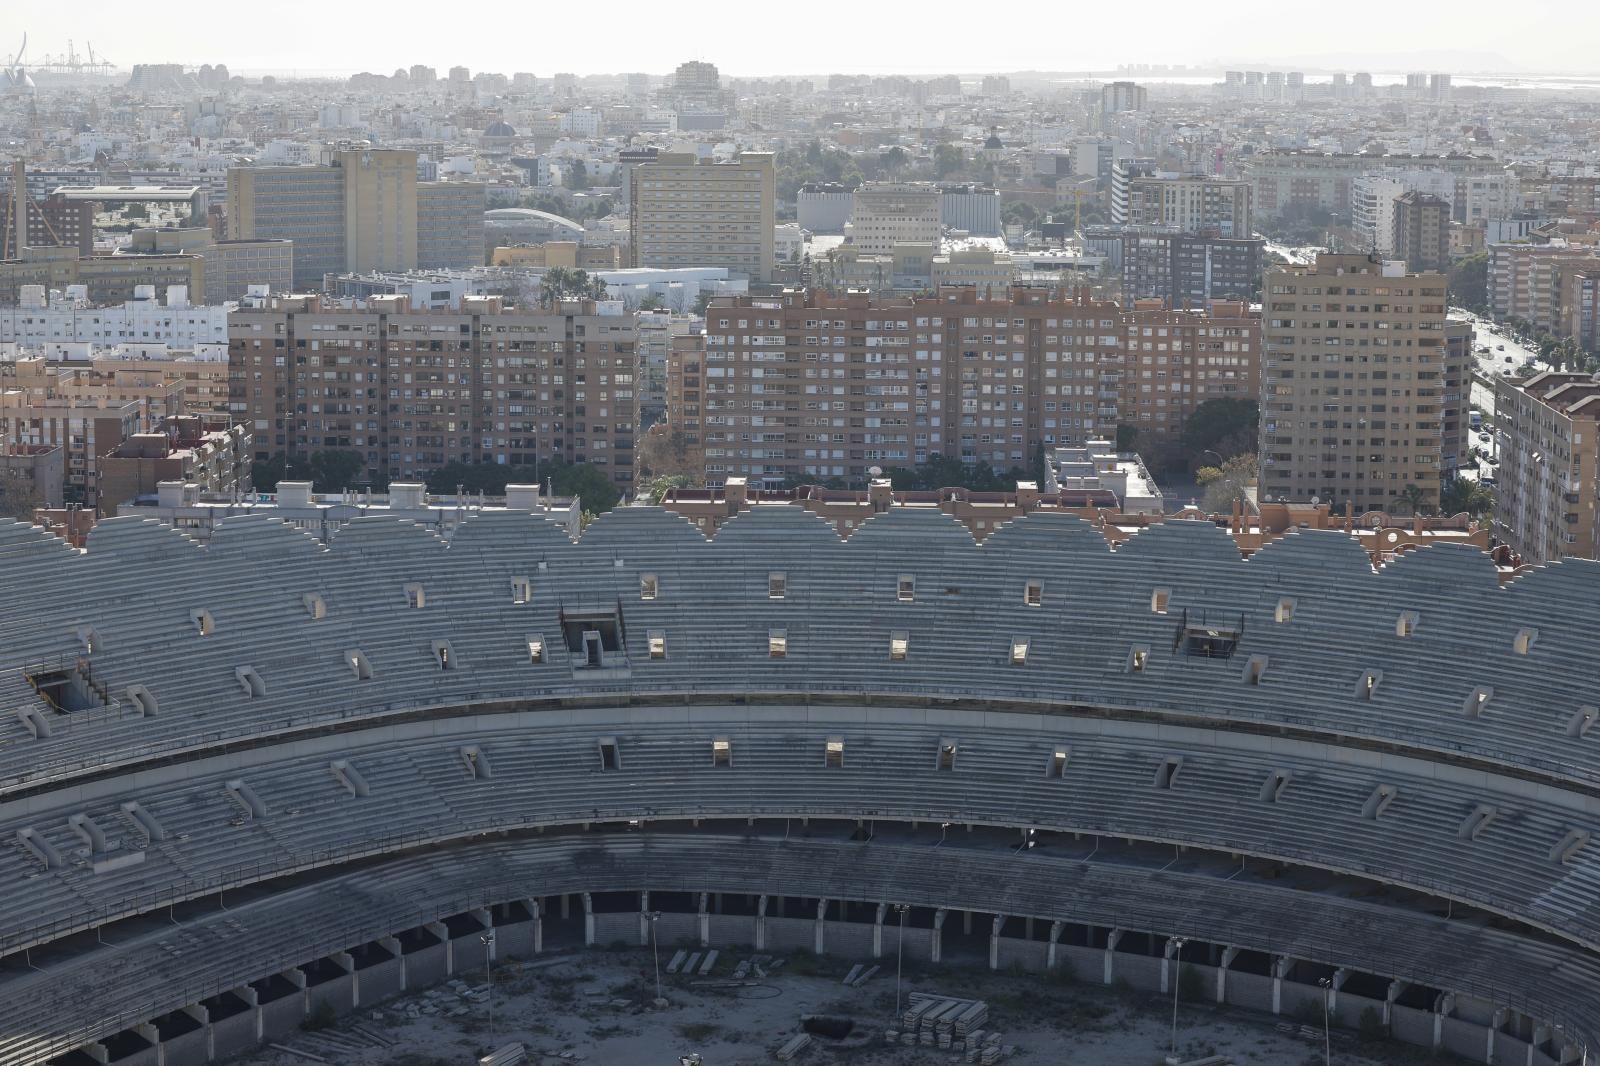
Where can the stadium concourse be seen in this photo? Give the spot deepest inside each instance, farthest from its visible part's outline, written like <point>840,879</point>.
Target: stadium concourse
<point>244,780</point>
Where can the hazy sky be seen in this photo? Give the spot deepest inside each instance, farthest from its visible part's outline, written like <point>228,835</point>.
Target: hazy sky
<point>812,36</point>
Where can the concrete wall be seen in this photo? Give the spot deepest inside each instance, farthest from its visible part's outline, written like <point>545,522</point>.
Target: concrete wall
<point>1140,971</point>
<point>1508,1049</point>
<point>733,930</point>
<point>282,1015</point>
<point>676,930</point>
<point>150,1056</point>
<point>190,1047</point>
<point>1029,954</point>
<point>425,967</point>
<point>470,953</point>
<point>1087,963</point>
<point>234,1034</point>
<point>379,981</point>
<point>514,940</point>
<point>622,928</point>
<point>1416,1027</point>
<point>340,992</point>
<point>1250,990</point>
<point>849,940</point>
<point>796,934</point>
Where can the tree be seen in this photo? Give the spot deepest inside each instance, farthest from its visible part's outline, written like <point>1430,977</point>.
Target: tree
<point>1127,437</point>
<point>650,303</point>
<point>1464,494</point>
<point>336,469</point>
<point>1226,484</point>
<point>1226,425</point>
<point>578,175</point>
<point>666,452</point>
<point>589,483</point>
<point>19,499</point>
<point>553,285</point>
<point>947,159</point>
<point>266,473</point>
<point>895,159</point>
<point>1469,282</point>
<point>658,487</point>
<point>1413,496</point>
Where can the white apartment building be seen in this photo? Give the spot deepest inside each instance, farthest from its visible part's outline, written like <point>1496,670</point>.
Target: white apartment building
<point>1372,198</point>
<point>69,318</point>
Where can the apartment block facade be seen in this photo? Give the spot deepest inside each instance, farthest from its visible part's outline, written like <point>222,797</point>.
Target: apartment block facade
<point>1219,206</point>
<point>688,213</point>
<point>887,213</point>
<point>1422,231</point>
<point>1173,361</point>
<point>413,389</point>
<point>1183,270</point>
<point>1549,430</point>
<point>1354,399</point>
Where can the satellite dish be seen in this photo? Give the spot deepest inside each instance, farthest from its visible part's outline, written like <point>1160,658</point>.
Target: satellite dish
<point>875,471</point>
<point>1316,499</point>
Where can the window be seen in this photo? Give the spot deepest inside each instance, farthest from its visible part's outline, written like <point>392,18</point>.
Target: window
<point>203,623</point>
<point>442,652</point>
<point>359,665</point>
<point>1479,820</point>
<point>658,643</point>
<point>647,586</point>
<point>251,682</point>
<point>1019,651</point>
<point>1277,781</point>
<point>521,590</point>
<point>899,645</point>
<point>1368,684</point>
<point>833,754</point>
<point>1476,701</point>
<point>721,752</point>
<point>1567,847</point>
<point>1524,642</point>
<point>315,606</point>
<point>1057,766</point>
<point>777,585</point>
<point>415,597</point>
<point>1033,594</point>
<point>1379,802</point>
<point>1158,600</point>
<point>610,757</point>
<point>1406,624</point>
<point>536,649</point>
<point>1285,610</point>
<point>947,754</point>
<point>906,588</point>
<point>1137,657</point>
<point>1167,772</point>
<point>1254,669</point>
<point>1582,721</point>
<point>777,643</point>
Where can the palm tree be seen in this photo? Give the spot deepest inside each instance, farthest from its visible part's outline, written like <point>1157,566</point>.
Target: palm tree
<point>1413,495</point>
<point>598,290</point>
<point>554,285</point>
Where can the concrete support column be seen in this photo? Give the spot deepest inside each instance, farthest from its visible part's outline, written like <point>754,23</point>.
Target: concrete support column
<point>1228,955</point>
<point>1495,1023</point>
<point>1050,952</point>
<point>1027,928</point>
<point>1570,1055</point>
<point>202,1017</point>
<point>588,919</point>
<point>392,946</point>
<point>1340,976</point>
<point>704,922</point>
<point>252,1002</point>
<point>761,923</point>
<point>644,923</point>
<point>297,977</point>
<point>346,962</point>
<point>97,1052</point>
<point>485,917</point>
<point>1541,1033</point>
<point>1396,987</point>
<point>877,931</point>
<point>439,930</point>
<point>1442,1006</point>
<point>536,910</point>
<point>936,941</point>
<point>966,923</point>
<point>1112,938</point>
<point>1280,970</point>
<point>152,1034</point>
<point>817,932</point>
<point>994,941</point>
<point>566,906</point>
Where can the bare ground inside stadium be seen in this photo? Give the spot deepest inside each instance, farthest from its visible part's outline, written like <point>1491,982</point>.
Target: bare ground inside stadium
<point>594,1007</point>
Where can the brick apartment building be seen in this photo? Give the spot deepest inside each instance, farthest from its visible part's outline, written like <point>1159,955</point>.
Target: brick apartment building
<point>413,389</point>
<point>1549,430</point>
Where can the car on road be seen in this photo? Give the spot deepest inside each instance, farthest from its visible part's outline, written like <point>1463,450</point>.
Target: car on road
<point>1510,359</point>
<point>1484,437</point>
<point>1500,347</point>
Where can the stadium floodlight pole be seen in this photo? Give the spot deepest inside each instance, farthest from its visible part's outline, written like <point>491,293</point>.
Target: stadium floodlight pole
<point>899,955</point>
<point>655,951</point>
<point>1177,973</point>
<point>487,940</point>
<point>1327,1035</point>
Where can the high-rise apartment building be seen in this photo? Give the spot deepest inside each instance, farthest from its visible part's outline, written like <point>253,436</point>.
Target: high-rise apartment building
<point>1122,96</point>
<point>1141,196</point>
<point>1288,180</point>
<point>1353,385</point>
<point>1184,270</point>
<point>687,213</point>
<point>1549,429</point>
<point>888,213</point>
<point>1422,231</point>
<point>361,210</point>
<point>54,222</point>
<point>1173,361</point>
<point>412,390</point>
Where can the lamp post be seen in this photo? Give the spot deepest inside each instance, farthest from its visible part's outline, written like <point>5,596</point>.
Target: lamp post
<point>1327,1035</point>
<point>899,955</point>
<point>1177,973</point>
<point>655,952</point>
<point>487,940</point>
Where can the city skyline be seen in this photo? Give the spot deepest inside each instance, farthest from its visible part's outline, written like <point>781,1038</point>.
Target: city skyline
<point>347,41</point>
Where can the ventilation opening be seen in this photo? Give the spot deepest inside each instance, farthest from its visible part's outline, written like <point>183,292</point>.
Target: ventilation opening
<point>947,755</point>
<point>1582,721</point>
<point>1476,701</point>
<point>1406,624</point>
<point>777,643</point>
<point>251,682</point>
<point>906,588</point>
<point>1159,599</point>
<point>1567,847</point>
<point>1524,642</point>
<point>477,762</point>
<point>899,645</point>
<point>1255,669</point>
<point>204,624</point>
<point>1368,684</point>
<point>610,758</point>
<point>536,649</point>
<point>359,665</point>
<point>658,643</point>
<point>591,635</point>
<point>444,654</point>
<point>1277,781</point>
<point>593,653</point>
<point>1019,651</point>
<point>833,754</point>
<point>315,606</point>
<point>1477,822</point>
<point>1057,766</point>
<point>1378,802</point>
<point>142,700</point>
<point>1137,658</point>
<point>1033,594</point>
<point>1285,611</point>
<point>521,590</point>
<point>1167,772</point>
<point>415,597</point>
<point>777,586</point>
<point>350,778</point>
<point>648,588</point>
<point>721,752</point>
